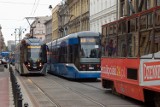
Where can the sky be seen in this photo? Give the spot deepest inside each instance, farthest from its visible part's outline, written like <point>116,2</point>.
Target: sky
<point>13,13</point>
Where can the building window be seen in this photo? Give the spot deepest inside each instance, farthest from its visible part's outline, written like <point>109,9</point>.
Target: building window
<point>158,2</point>
<point>122,8</point>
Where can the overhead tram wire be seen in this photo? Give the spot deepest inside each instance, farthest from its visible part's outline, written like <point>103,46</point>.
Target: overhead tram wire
<point>36,7</point>
<point>33,6</point>
<point>10,19</point>
<point>20,3</point>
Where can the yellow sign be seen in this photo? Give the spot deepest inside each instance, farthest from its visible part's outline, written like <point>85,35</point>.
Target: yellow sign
<point>33,47</point>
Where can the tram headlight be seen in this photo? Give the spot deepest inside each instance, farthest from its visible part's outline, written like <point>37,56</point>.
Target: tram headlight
<point>29,65</point>
<point>40,65</point>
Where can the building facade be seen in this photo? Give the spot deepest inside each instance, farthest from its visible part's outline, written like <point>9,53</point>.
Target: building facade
<point>63,17</point>
<point>48,25</point>
<point>73,16</point>
<point>55,22</point>
<point>38,27</point>
<point>102,12</point>
<point>79,10</point>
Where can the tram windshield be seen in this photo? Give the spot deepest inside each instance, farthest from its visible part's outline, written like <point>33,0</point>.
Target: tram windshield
<point>35,54</point>
<point>90,47</point>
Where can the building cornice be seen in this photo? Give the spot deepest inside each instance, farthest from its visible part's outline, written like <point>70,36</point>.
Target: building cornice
<point>107,11</point>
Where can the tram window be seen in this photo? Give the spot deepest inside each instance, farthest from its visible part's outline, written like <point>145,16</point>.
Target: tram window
<point>119,28</point>
<point>108,30</point>
<point>124,27</point>
<point>25,54</point>
<point>111,29</point>
<point>132,25</point>
<point>122,47</point>
<point>70,59</point>
<point>103,44</point>
<point>129,23</point>
<point>104,31</point>
<point>157,45</point>
<point>132,73</point>
<point>58,54</point>
<point>62,54</point>
<point>143,22</point>
<point>145,43</point>
<point>111,47</point>
<point>150,20</point>
<point>115,28</point>
<point>130,45</point>
<point>76,55</point>
<point>157,18</point>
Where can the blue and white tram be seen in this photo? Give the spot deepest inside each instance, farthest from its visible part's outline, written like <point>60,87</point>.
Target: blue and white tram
<point>31,56</point>
<point>75,56</point>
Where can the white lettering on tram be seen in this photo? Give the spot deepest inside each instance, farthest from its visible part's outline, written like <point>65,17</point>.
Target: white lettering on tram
<point>151,72</point>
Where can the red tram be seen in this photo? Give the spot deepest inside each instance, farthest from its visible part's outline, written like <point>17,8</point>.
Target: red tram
<point>131,56</point>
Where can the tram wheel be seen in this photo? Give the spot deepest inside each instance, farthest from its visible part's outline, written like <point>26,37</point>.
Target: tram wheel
<point>157,99</point>
<point>113,89</point>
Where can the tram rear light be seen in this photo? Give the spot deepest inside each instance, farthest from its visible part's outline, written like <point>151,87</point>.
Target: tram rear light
<point>83,66</point>
<point>98,65</point>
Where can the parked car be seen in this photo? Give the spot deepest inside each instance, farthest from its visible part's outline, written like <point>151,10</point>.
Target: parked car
<point>3,62</point>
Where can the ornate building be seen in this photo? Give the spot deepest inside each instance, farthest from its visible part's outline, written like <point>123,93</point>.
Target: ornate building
<point>55,22</point>
<point>80,11</point>
<point>38,27</point>
<point>102,12</point>
<point>73,16</point>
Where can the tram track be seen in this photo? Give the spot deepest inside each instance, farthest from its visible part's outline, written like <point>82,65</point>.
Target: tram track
<point>47,96</point>
<point>40,91</point>
<point>81,94</point>
<point>93,86</point>
<point>46,86</point>
<point>50,99</point>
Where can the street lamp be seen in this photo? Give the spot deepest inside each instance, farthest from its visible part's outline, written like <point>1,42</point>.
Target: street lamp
<point>15,37</point>
<point>50,7</point>
<point>18,31</point>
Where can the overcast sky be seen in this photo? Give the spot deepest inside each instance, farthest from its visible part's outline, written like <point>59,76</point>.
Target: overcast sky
<point>13,13</point>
